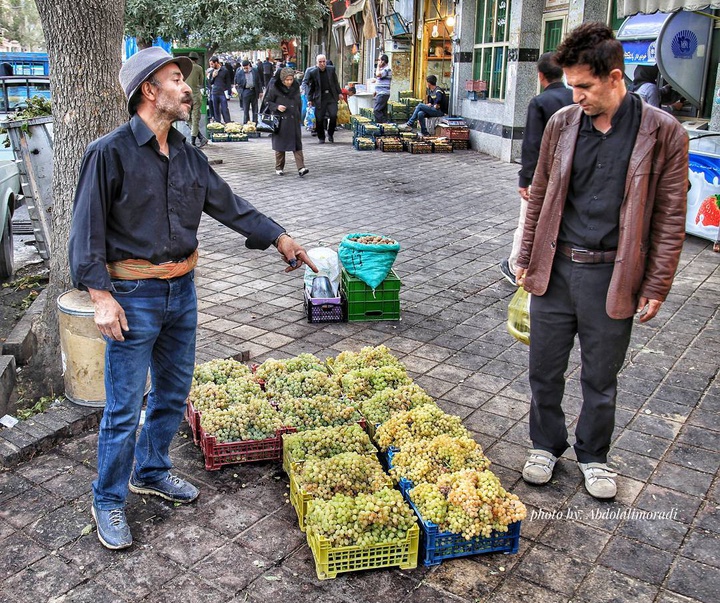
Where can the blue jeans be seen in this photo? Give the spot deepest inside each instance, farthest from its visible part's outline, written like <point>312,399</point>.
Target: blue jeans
<point>421,112</point>
<point>162,316</point>
<point>221,113</point>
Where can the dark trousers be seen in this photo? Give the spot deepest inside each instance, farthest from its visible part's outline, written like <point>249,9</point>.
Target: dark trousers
<point>380,108</point>
<point>248,101</point>
<point>326,110</point>
<point>220,108</point>
<point>574,303</point>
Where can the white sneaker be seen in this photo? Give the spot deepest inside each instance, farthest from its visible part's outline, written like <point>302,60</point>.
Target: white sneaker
<point>539,467</point>
<point>279,172</point>
<point>599,480</point>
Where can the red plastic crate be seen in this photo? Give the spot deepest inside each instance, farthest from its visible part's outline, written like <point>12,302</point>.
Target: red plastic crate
<point>453,133</point>
<point>192,417</point>
<point>219,454</point>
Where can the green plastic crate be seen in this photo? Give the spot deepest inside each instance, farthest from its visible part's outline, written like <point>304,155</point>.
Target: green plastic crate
<point>362,303</point>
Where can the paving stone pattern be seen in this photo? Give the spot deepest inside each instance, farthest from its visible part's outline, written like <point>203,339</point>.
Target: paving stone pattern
<point>454,216</point>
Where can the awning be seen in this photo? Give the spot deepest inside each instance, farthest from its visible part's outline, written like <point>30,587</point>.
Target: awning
<point>627,8</point>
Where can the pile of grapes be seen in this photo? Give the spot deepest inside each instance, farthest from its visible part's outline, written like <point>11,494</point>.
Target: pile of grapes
<point>468,502</point>
<point>318,411</point>
<point>367,357</point>
<point>256,420</point>
<point>348,473</point>
<point>363,383</point>
<point>383,404</point>
<point>325,442</point>
<point>421,423</point>
<point>304,362</point>
<point>220,371</point>
<point>303,384</point>
<point>362,520</point>
<point>427,460</point>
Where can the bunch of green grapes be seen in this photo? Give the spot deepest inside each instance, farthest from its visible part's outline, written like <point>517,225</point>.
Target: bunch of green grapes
<point>256,420</point>
<point>383,404</point>
<point>468,502</point>
<point>427,460</point>
<point>362,520</point>
<point>303,362</point>
<point>209,396</point>
<point>348,473</point>
<point>303,384</point>
<point>325,442</point>
<point>243,390</point>
<point>421,423</point>
<point>219,371</point>
<point>363,383</point>
<point>367,357</point>
<point>318,411</point>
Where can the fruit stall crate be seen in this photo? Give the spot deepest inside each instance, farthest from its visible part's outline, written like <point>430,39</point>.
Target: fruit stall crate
<point>218,454</point>
<point>390,144</point>
<point>453,132</point>
<point>330,561</point>
<point>362,303</point>
<point>362,143</point>
<point>418,147</point>
<point>219,136</point>
<point>300,499</point>
<point>238,137</point>
<point>321,309</point>
<point>460,145</point>
<point>436,546</point>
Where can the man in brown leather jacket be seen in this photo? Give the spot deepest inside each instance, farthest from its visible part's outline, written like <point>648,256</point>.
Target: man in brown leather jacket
<point>602,239</point>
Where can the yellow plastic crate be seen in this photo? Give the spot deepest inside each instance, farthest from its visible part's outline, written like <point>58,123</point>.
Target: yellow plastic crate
<point>329,561</point>
<point>300,499</point>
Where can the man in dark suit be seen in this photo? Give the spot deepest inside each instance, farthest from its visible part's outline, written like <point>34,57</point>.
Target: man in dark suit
<point>555,96</point>
<point>221,84</point>
<point>247,85</point>
<point>323,92</point>
<point>267,69</point>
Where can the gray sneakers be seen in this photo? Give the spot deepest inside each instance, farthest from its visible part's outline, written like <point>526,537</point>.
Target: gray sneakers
<point>112,528</point>
<point>171,488</point>
<point>599,480</point>
<point>539,467</point>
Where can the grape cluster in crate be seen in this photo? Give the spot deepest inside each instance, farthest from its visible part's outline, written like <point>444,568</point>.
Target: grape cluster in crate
<point>326,422</point>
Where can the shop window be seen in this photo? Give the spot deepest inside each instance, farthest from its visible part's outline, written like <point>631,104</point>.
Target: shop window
<point>490,53</point>
<point>553,32</point>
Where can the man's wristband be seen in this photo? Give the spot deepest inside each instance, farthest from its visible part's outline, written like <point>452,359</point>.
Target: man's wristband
<point>276,241</point>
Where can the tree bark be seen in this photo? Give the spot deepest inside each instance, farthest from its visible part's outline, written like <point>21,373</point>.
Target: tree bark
<point>84,42</point>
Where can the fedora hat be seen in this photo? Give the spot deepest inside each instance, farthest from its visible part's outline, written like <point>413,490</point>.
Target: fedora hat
<point>140,66</point>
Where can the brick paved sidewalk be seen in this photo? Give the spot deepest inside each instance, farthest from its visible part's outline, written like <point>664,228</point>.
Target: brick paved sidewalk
<point>454,216</point>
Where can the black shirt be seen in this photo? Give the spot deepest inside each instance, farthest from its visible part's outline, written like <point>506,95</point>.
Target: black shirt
<point>597,185</point>
<point>324,82</point>
<point>134,202</point>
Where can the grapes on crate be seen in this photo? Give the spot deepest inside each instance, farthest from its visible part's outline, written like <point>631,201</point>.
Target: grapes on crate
<point>383,404</point>
<point>303,384</point>
<point>367,357</point>
<point>427,460</point>
<point>256,420</point>
<point>325,442</point>
<point>362,520</point>
<point>220,371</point>
<point>318,411</point>
<point>420,423</point>
<point>363,383</point>
<point>303,362</point>
<point>347,473</point>
<point>468,502</point>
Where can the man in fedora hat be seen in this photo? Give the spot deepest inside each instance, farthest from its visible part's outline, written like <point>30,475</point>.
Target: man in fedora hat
<point>133,246</point>
<point>196,81</point>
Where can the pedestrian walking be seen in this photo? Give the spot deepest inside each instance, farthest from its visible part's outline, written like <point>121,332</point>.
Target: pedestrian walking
<point>324,92</point>
<point>555,96</point>
<point>133,246</point>
<point>283,99</point>
<point>247,85</point>
<point>383,79</point>
<point>603,234</point>
<point>196,81</point>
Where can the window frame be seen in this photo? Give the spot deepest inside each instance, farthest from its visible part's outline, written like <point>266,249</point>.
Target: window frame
<point>490,56</point>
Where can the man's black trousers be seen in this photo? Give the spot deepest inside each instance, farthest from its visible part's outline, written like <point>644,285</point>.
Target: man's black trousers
<point>326,110</point>
<point>574,303</point>
<point>248,101</point>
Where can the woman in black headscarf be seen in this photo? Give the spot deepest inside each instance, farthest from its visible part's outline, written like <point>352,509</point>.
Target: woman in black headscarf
<point>283,99</point>
<point>645,84</point>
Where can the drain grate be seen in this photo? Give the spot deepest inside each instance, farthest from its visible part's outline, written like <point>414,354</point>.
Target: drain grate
<point>22,227</point>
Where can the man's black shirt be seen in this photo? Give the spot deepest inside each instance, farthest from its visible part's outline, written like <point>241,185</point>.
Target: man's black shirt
<point>597,186</point>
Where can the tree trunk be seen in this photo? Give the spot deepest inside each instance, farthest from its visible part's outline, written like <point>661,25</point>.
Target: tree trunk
<point>84,42</point>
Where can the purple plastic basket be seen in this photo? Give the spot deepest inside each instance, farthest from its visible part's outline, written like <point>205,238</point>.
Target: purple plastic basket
<point>321,309</point>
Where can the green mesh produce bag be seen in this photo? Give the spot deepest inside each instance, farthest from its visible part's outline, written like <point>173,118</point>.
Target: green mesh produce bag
<point>370,263</point>
<point>518,322</point>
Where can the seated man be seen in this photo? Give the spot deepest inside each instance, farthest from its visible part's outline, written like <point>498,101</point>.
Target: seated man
<point>435,107</point>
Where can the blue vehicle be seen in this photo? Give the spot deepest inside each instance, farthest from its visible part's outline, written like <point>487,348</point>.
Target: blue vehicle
<point>25,63</point>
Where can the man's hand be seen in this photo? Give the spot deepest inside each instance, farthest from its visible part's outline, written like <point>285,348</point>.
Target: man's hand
<point>520,276</point>
<point>293,253</point>
<point>647,308</point>
<point>524,192</point>
<point>109,315</point>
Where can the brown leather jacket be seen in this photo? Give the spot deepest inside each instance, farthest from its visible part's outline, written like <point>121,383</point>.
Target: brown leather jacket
<point>652,214</point>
